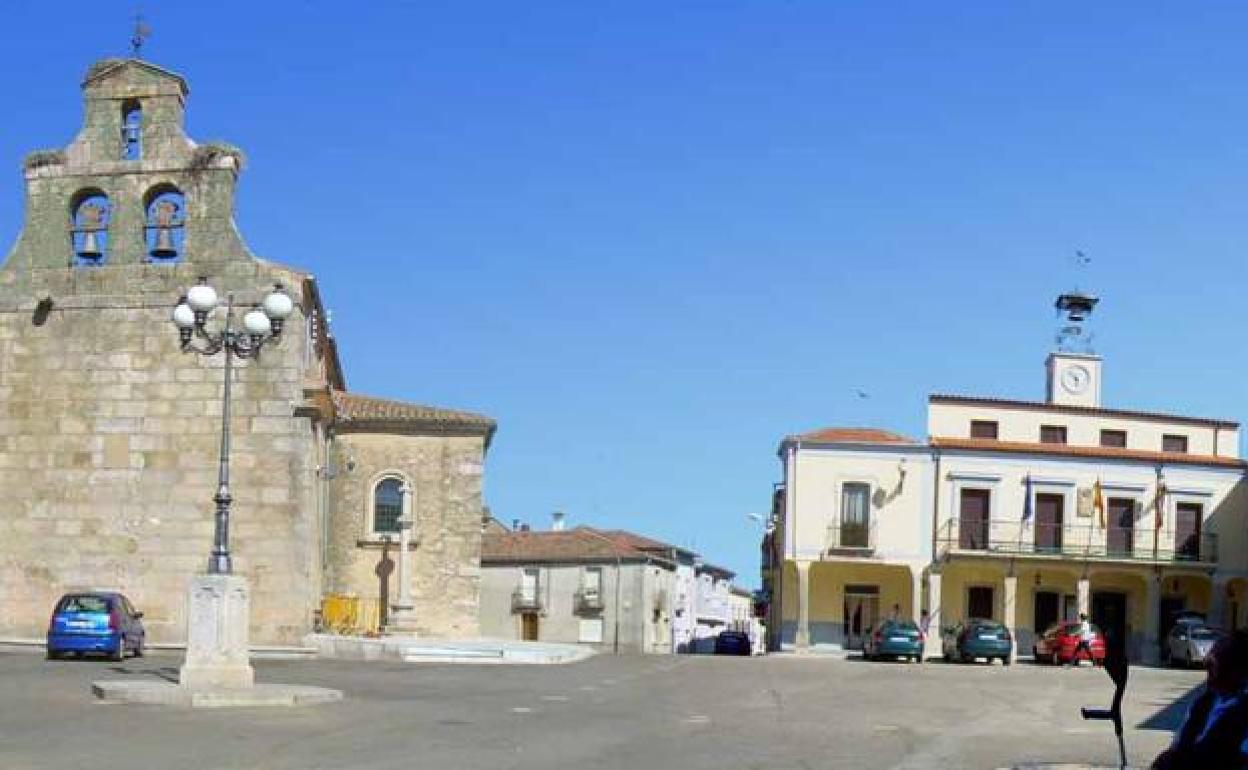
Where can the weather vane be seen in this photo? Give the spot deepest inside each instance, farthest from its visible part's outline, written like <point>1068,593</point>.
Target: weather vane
<point>1075,307</point>
<point>141,33</point>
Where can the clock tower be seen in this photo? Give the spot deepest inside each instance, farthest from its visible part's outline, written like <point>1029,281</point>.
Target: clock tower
<point>1074,371</point>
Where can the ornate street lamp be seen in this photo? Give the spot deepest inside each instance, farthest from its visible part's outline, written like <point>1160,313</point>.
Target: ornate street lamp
<point>261,326</point>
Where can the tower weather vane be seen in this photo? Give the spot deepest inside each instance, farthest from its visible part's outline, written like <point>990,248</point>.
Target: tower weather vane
<point>141,33</point>
<point>1075,307</point>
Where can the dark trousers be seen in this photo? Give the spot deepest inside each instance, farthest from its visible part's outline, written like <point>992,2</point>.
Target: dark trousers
<point>1085,645</point>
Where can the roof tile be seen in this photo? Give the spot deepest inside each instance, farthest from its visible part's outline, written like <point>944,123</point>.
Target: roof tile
<point>356,410</point>
<point>939,398</point>
<point>1068,450</point>
<point>572,545</point>
<point>854,436</point>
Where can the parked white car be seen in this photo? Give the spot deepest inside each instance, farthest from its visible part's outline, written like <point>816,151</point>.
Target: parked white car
<point>1188,644</point>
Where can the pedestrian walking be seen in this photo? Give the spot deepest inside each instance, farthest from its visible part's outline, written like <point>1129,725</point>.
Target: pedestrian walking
<point>1086,635</point>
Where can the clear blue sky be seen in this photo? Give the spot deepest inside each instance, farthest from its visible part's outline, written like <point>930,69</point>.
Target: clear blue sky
<point>653,238</point>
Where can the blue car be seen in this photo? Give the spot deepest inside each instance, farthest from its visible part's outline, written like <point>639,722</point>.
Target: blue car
<point>95,622</point>
<point>894,639</point>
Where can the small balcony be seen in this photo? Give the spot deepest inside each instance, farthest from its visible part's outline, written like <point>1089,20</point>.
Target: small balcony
<point>526,600</point>
<point>851,538</point>
<point>588,600</point>
<point>1075,540</point>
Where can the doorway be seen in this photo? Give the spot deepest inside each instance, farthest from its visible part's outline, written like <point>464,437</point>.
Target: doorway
<point>979,602</point>
<point>862,610</point>
<point>528,626</point>
<point>1046,606</point>
<point>1120,539</point>
<point>1109,612</point>
<point>1187,531</point>
<point>1049,522</point>
<point>973,519</point>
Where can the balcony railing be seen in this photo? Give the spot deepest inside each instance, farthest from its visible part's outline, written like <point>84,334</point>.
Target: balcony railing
<point>588,600</point>
<point>1080,539</point>
<point>851,537</point>
<point>526,600</point>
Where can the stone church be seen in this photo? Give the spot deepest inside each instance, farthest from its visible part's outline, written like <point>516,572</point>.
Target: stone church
<point>109,432</point>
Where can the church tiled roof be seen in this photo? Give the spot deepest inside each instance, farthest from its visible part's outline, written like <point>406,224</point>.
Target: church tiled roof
<point>363,412</point>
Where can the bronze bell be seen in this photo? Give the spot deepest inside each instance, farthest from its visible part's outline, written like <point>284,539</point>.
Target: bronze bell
<point>91,219</point>
<point>90,248</point>
<point>164,243</point>
<point>165,248</point>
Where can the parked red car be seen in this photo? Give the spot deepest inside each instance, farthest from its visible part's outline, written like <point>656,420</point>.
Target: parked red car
<point>1057,644</point>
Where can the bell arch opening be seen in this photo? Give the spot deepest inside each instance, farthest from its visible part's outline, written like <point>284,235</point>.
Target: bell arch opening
<point>90,213</point>
<point>164,224</point>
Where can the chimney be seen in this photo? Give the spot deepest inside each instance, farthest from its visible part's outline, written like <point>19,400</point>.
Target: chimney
<point>556,523</point>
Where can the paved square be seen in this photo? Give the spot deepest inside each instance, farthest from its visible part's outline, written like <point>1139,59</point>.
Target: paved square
<point>693,713</point>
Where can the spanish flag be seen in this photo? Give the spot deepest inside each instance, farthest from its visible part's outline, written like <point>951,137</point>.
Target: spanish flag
<point>1159,503</point>
<point>1098,503</point>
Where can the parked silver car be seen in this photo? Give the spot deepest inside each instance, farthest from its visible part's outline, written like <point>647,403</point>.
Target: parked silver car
<point>1188,644</point>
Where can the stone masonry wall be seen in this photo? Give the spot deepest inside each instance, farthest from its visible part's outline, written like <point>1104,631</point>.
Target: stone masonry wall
<point>109,434</point>
<point>108,453</point>
<point>445,472</point>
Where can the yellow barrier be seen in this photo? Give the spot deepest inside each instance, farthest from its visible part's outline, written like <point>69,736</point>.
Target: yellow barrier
<point>350,615</point>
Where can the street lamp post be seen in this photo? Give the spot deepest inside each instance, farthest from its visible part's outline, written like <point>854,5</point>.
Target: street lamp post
<point>262,326</point>
<point>218,603</point>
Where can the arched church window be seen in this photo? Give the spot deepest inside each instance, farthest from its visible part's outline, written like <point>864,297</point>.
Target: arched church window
<point>166,220</point>
<point>131,131</point>
<point>90,214</point>
<point>387,506</point>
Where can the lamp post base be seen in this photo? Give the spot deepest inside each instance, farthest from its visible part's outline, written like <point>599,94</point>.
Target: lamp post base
<point>217,617</point>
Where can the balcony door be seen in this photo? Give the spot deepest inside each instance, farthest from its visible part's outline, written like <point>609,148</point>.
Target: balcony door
<point>855,515</point>
<point>1187,531</point>
<point>1120,538</point>
<point>973,519</point>
<point>1049,522</point>
<point>528,587</point>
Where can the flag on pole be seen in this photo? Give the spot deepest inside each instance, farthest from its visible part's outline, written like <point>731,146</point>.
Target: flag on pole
<point>1027,501</point>
<point>1159,503</point>
<point>1098,503</point>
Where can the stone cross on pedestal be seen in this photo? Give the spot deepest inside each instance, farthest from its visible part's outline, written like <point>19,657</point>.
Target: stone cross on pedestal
<point>402,618</point>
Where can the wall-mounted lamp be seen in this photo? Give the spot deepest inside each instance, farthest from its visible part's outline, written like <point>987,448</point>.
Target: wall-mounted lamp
<point>1037,580</point>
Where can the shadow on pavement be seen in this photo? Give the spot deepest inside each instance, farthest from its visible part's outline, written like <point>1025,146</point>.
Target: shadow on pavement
<point>1171,716</point>
<point>167,673</point>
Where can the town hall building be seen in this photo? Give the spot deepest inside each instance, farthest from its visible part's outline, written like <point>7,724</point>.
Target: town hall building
<point>109,431</point>
<point>1027,512</point>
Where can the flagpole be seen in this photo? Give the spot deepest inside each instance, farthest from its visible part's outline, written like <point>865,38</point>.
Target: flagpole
<point>1158,507</point>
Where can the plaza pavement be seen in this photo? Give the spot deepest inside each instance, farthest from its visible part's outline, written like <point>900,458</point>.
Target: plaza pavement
<point>682,713</point>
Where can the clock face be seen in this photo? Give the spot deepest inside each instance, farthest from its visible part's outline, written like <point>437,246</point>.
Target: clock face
<point>1075,379</point>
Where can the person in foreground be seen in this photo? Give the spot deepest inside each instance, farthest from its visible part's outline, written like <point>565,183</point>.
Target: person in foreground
<point>1215,732</point>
